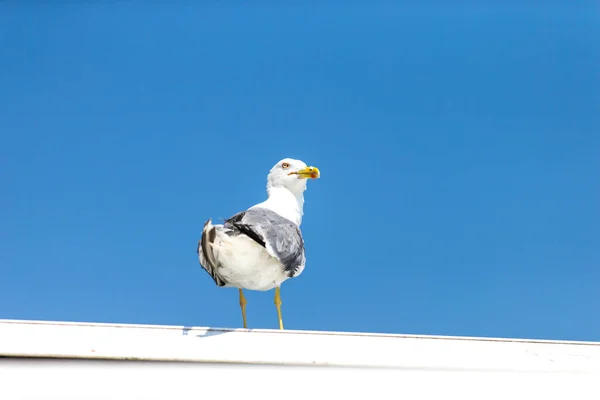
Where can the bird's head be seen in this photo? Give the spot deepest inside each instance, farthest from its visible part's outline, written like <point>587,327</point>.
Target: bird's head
<point>291,174</point>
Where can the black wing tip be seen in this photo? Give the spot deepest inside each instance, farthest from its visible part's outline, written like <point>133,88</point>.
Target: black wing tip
<point>209,235</point>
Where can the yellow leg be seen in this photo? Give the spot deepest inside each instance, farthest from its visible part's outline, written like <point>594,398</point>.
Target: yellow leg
<point>243,305</point>
<point>278,305</point>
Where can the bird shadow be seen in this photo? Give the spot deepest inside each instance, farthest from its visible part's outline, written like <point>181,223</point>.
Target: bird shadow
<point>189,331</point>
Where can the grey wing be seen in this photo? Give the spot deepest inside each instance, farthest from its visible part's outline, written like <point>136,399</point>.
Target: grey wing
<point>280,236</point>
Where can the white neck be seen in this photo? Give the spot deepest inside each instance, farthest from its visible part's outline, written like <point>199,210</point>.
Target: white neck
<point>285,203</point>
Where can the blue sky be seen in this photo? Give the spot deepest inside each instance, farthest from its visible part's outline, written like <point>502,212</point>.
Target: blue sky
<point>459,149</point>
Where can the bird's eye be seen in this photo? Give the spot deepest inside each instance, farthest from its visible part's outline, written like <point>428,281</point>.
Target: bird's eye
<point>285,165</point>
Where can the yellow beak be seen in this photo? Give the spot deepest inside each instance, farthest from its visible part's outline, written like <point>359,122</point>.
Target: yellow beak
<point>308,173</point>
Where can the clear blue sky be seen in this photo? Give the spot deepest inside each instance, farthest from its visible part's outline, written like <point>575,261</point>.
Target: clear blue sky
<point>459,149</point>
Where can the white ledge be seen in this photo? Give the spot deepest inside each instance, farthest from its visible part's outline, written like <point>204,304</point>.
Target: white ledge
<point>49,360</point>
<point>257,346</point>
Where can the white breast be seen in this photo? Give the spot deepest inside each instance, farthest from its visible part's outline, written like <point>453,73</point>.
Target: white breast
<point>246,264</point>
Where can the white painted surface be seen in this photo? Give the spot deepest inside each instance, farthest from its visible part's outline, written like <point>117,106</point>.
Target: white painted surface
<point>84,360</point>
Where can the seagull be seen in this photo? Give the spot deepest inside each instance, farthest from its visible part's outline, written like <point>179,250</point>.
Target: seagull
<point>261,247</point>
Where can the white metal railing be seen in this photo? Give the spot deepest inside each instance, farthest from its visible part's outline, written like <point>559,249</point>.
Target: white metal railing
<point>272,363</point>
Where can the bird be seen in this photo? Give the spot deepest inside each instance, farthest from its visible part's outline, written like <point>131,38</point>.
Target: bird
<point>261,247</point>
